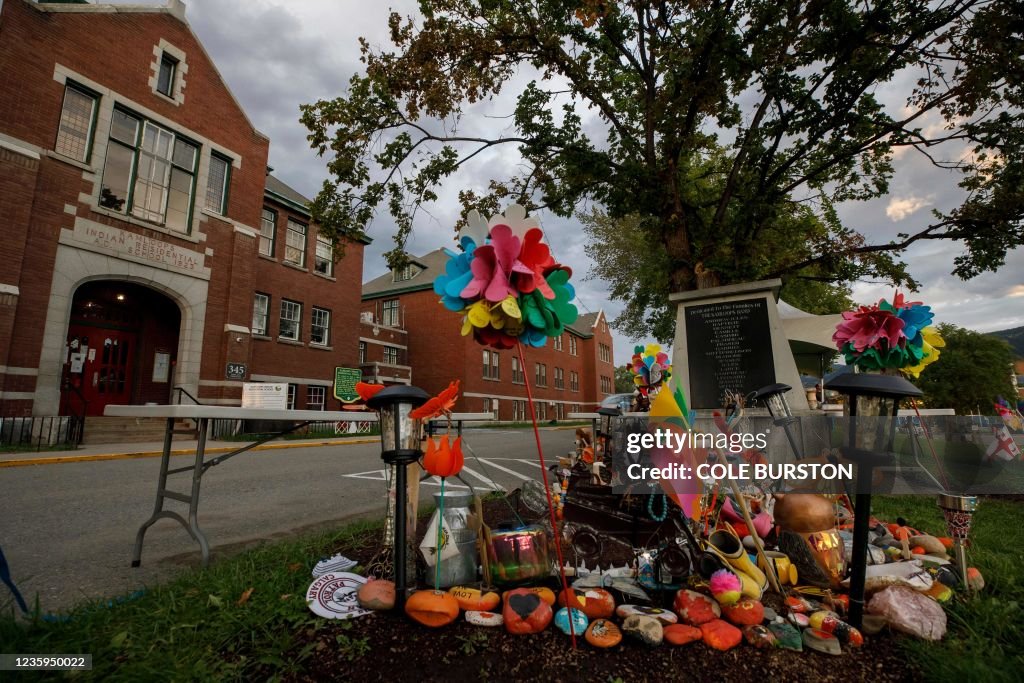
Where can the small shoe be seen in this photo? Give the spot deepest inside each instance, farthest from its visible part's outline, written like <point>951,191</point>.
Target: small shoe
<point>727,545</point>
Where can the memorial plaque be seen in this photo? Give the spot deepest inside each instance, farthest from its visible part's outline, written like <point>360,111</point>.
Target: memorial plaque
<point>345,380</point>
<point>729,348</point>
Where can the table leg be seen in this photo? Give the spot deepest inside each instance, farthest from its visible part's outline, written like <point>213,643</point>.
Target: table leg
<point>193,505</point>
<point>161,486</point>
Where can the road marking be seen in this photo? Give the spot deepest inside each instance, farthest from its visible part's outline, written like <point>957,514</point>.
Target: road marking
<point>488,482</point>
<point>490,463</point>
<point>381,475</point>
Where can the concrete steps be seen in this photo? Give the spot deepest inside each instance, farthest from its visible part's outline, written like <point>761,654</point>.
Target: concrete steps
<point>101,430</point>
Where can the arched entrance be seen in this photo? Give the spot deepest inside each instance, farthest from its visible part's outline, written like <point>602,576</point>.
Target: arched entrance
<point>121,347</point>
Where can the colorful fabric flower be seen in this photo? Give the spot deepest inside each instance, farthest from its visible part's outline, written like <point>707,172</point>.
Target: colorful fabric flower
<point>516,219</point>
<point>895,335</point>
<point>536,256</point>
<point>493,266</point>
<point>457,275</point>
<point>869,327</point>
<point>932,341</point>
<point>650,367</point>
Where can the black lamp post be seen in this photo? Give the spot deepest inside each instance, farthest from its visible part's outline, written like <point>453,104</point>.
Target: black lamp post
<point>606,415</point>
<point>400,446</point>
<point>774,398</point>
<point>872,404</point>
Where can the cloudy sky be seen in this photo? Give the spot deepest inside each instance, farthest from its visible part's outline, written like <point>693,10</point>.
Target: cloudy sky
<point>277,55</point>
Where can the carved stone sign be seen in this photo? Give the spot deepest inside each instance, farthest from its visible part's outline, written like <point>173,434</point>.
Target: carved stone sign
<point>729,347</point>
<point>138,247</point>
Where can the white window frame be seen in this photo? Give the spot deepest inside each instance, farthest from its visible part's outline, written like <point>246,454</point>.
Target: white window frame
<point>268,219</point>
<point>323,263</point>
<point>73,131</point>
<point>292,239</point>
<point>314,392</point>
<point>219,202</point>
<point>293,389</point>
<point>325,324</point>
<point>292,307</point>
<point>390,314</point>
<point>174,63</point>
<point>362,352</point>
<point>572,346</point>
<point>265,313</point>
<point>390,355</point>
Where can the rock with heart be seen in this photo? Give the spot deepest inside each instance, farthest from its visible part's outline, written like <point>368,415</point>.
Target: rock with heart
<point>525,612</point>
<point>578,623</point>
<point>596,603</point>
<point>544,593</point>
<point>681,634</point>
<point>603,633</point>
<point>480,618</point>
<point>644,629</point>
<point>720,634</point>
<point>473,599</point>
<point>663,615</point>
<point>746,612</point>
<point>787,636</point>
<point>695,608</point>
<point>759,636</point>
<point>432,608</point>
<point>378,594</point>
<point>819,641</point>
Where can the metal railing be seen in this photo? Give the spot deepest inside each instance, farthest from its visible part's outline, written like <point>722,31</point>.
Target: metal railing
<point>179,392</point>
<point>79,417</point>
<point>40,433</point>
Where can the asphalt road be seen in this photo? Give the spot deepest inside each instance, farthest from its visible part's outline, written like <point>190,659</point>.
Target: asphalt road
<point>68,529</point>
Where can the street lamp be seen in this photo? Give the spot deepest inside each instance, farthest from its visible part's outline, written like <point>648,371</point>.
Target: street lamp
<point>774,398</point>
<point>876,398</point>
<point>400,445</point>
<point>606,415</point>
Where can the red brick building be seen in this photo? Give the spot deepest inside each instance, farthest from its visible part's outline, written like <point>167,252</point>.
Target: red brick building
<point>145,246</point>
<point>571,374</point>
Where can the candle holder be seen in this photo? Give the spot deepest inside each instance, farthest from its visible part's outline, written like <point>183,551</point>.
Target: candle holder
<point>959,512</point>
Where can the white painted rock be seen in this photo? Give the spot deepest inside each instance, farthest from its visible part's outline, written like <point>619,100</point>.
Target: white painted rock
<point>666,617</point>
<point>478,618</point>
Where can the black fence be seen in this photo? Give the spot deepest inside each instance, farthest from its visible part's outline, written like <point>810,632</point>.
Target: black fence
<point>228,429</point>
<point>40,433</point>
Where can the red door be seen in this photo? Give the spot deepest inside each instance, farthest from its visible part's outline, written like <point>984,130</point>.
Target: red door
<point>99,364</point>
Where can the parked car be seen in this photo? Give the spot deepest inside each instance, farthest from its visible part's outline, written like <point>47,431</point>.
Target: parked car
<point>620,401</point>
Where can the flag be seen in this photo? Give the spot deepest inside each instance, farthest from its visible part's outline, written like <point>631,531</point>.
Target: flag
<point>1004,448</point>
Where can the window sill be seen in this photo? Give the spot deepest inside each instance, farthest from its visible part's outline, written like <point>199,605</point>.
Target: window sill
<point>143,224</point>
<point>166,98</point>
<point>290,342</point>
<point>326,277</point>
<point>491,379</point>
<point>320,347</point>
<point>294,266</point>
<point>267,258</point>
<point>57,156</point>
<point>262,337</point>
<point>219,216</point>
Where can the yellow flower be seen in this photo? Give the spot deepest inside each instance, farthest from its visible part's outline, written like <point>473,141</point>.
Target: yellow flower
<point>933,341</point>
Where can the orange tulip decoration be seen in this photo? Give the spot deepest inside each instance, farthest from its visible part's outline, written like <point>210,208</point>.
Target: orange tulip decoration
<point>367,391</point>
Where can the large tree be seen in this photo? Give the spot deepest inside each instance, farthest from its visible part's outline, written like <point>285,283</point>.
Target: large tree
<point>972,370</point>
<point>726,130</point>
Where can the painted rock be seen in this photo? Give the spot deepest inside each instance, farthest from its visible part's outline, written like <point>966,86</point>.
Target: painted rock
<point>432,608</point>
<point>603,633</point>
<point>377,594</point>
<point>909,612</point>
<point>929,544</point>
<point>759,636</point>
<point>720,634</point>
<point>872,624</point>
<point>545,594</point>
<point>596,603</point>
<point>525,612</point>
<point>746,612</point>
<point>819,641</point>
<point>787,637</point>
<point>939,592</point>
<point>829,622</point>
<point>480,618</point>
<point>473,599</point>
<point>975,581</point>
<point>663,615</point>
<point>799,619</point>
<point>644,629</point>
<point>794,604</point>
<point>579,621</point>
<point>695,608</point>
<point>681,634</point>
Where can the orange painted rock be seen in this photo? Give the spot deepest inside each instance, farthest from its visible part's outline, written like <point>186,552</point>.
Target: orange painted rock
<point>474,600</point>
<point>681,634</point>
<point>525,612</point>
<point>596,603</point>
<point>603,633</point>
<point>721,635</point>
<point>746,612</point>
<point>545,594</point>
<point>377,594</point>
<point>432,608</point>
<point>695,608</point>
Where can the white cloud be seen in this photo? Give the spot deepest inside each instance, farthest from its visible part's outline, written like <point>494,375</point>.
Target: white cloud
<point>901,207</point>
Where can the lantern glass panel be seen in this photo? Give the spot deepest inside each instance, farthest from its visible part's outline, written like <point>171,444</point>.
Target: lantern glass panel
<point>778,406</point>
<point>408,429</point>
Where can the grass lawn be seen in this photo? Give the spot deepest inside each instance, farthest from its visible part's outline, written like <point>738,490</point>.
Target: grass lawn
<point>244,616</point>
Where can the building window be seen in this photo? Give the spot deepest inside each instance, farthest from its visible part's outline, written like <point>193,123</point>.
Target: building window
<point>323,260</point>
<point>268,229</point>
<point>559,378</point>
<point>291,320</point>
<point>542,411</point>
<point>491,365</point>
<point>362,352</point>
<point>315,397</point>
<point>292,390</point>
<point>77,119</point>
<point>391,355</point>
<point>541,375</point>
<point>517,372</point>
<point>574,379</point>
<point>295,243</point>
<point>320,327</point>
<point>517,411</point>
<point>168,70</point>
<point>391,313</point>
<point>217,184</point>
<point>606,385</point>
<point>572,345</point>
<point>559,411</point>
<point>558,343</point>
<point>149,172</point>
<point>604,353</point>
<point>260,314</point>
<point>406,273</point>
<point>487,405</point>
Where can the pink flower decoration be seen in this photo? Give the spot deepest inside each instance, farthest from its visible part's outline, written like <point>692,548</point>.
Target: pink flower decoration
<point>536,256</point>
<point>493,266</point>
<point>868,327</point>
